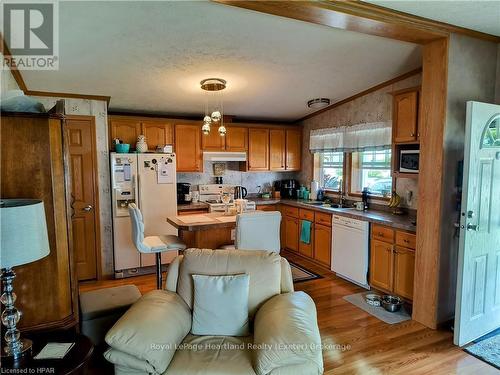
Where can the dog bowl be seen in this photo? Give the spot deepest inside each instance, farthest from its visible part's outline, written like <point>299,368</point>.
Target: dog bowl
<point>391,303</point>
<point>373,299</point>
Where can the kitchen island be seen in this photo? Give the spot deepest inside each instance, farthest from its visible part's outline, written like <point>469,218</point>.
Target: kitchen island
<point>204,230</point>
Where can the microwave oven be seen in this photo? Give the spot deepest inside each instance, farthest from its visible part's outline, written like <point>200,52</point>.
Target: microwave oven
<point>408,161</point>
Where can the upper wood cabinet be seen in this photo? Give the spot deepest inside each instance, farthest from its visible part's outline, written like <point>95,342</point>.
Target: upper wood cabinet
<point>406,116</point>
<point>213,141</point>
<point>158,133</point>
<point>127,129</point>
<point>236,139</point>
<point>277,149</point>
<point>188,148</point>
<point>293,149</point>
<point>258,149</point>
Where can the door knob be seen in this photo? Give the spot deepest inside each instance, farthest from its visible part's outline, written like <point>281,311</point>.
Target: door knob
<point>473,227</point>
<point>87,208</point>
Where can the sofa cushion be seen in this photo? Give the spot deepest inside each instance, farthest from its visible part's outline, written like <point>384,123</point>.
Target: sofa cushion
<point>212,355</point>
<point>263,268</point>
<point>152,328</point>
<point>220,305</point>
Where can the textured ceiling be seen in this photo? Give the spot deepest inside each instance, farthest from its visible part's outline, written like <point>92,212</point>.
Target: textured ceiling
<point>481,15</point>
<point>151,56</point>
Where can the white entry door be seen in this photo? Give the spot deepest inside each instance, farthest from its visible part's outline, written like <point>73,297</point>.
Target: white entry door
<point>478,285</point>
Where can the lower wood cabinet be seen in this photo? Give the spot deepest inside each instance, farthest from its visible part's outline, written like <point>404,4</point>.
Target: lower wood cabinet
<point>381,263</point>
<point>404,269</point>
<point>392,266</point>
<point>323,244</point>
<point>291,233</point>
<point>266,207</point>
<point>319,247</point>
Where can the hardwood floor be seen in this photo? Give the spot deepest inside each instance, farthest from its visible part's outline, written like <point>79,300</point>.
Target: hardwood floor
<point>370,345</point>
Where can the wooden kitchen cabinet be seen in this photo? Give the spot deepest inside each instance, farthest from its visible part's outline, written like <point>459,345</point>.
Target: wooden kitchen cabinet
<point>392,260</point>
<point>127,130</point>
<point>158,133</point>
<point>188,148</point>
<point>291,233</point>
<point>277,147</point>
<point>306,249</point>
<point>404,268</point>
<point>213,141</point>
<point>236,139</point>
<point>293,149</point>
<point>381,265</point>
<point>258,149</point>
<point>266,207</point>
<point>323,244</point>
<point>405,116</point>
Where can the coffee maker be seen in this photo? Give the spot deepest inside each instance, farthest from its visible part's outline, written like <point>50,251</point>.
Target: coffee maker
<point>289,188</point>
<point>183,188</point>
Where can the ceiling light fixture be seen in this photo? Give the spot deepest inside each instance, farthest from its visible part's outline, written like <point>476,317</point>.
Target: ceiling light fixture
<point>318,103</point>
<point>213,104</point>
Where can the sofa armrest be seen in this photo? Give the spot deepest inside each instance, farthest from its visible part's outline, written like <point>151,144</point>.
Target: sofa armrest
<point>152,328</point>
<point>286,333</point>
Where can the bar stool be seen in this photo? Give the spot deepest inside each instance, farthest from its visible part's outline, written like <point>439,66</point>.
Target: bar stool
<point>258,230</point>
<point>152,244</point>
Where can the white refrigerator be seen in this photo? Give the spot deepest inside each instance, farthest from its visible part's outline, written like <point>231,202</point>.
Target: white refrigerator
<point>149,181</point>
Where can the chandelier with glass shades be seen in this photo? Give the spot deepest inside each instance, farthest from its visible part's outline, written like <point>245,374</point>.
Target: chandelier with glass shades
<point>213,105</point>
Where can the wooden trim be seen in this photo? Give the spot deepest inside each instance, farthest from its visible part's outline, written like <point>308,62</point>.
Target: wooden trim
<point>362,93</point>
<point>13,69</point>
<point>361,17</point>
<point>97,210</point>
<point>427,255</point>
<point>68,95</point>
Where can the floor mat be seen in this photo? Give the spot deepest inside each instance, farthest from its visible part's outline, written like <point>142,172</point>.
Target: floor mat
<point>300,273</point>
<point>379,312</point>
<point>487,348</point>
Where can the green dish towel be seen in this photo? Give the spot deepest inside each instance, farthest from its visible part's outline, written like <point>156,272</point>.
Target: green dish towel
<point>305,231</point>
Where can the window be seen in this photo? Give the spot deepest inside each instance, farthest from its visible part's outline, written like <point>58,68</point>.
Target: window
<point>371,169</point>
<point>329,169</point>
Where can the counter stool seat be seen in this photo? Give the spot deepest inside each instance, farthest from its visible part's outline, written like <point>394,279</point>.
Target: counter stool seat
<point>100,309</point>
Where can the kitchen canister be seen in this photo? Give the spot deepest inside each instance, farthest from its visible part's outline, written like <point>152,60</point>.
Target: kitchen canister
<point>141,145</point>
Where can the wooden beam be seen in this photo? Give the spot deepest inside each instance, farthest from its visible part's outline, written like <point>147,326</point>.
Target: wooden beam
<point>68,95</point>
<point>362,93</point>
<point>361,17</point>
<point>13,69</point>
<point>427,254</point>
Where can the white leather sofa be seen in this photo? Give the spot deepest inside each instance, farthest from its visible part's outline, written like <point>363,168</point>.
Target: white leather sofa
<point>153,336</point>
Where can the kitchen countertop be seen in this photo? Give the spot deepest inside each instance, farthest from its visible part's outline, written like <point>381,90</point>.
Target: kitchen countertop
<point>203,221</point>
<point>192,206</point>
<point>404,222</point>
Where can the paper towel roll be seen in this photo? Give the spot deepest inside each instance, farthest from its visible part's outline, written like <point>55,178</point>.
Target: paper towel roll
<point>314,190</point>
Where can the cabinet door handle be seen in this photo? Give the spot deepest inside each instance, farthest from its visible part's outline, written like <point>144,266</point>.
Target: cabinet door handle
<point>406,241</point>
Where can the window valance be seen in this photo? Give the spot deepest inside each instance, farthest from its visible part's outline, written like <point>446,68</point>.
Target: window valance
<point>355,138</point>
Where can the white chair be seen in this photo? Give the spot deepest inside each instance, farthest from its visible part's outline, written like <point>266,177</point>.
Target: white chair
<point>258,230</point>
<point>152,244</point>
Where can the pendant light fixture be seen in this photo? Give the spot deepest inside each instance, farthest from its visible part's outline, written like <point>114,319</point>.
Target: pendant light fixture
<point>214,114</point>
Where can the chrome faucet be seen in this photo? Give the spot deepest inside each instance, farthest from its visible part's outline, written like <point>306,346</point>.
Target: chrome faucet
<point>341,197</point>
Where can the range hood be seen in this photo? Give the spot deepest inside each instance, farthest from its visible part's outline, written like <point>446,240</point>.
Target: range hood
<point>225,156</point>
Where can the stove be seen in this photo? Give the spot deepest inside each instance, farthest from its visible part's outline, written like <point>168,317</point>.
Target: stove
<point>211,194</point>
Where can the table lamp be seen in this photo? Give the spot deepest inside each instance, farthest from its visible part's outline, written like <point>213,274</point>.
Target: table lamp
<point>23,240</point>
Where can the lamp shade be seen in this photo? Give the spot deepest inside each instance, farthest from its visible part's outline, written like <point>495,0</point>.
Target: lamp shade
<point>23,230</point>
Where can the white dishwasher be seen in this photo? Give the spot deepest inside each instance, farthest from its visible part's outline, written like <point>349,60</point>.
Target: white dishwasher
<point>350,249</point>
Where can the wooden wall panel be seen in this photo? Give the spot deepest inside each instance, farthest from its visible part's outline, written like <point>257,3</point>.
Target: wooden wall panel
<point>434,97</point>
<point>32,167</point>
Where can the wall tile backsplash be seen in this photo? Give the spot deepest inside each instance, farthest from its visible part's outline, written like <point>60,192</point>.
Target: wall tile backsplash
<point>233,176</point>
